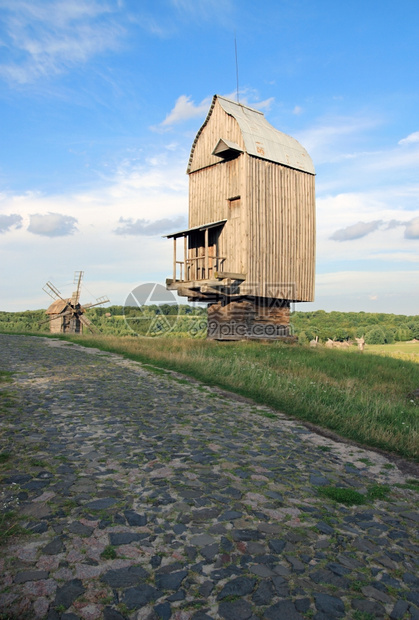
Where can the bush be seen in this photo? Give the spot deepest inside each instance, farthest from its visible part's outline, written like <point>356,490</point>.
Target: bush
<point>389,334</point>
<point>375,335</point>
<point>403,333</point>
<point>341,334</point>
<point>302,338</point>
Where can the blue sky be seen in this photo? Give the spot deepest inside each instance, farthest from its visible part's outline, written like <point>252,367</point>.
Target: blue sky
<point>100,102</point>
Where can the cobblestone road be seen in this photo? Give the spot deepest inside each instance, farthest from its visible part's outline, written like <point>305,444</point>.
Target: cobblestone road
<point>147,496</point>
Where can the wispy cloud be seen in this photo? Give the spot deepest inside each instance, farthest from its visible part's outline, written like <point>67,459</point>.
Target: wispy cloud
<point>410,139</point>
<point>129,226</point>
<point>205,10</point>
<point>352,290</point>
<point>356,231</point>
<point>7,222</point>
<point>184,110</point>
<point>52,225</point>
<point>362,229</point>
<point>46,38</point>
<point>331,139</point>
<point>251,98</point>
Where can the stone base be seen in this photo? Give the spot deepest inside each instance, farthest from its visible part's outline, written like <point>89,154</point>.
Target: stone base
<point>249,319</point>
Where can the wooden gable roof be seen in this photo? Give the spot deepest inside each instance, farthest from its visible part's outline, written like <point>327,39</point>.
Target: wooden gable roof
<point>260,138</point>
<point>57,306</point>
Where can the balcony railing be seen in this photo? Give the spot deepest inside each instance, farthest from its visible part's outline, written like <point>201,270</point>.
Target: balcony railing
<point>198,268</point>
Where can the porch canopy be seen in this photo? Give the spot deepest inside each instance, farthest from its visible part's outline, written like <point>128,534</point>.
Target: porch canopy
<point>185,233</point>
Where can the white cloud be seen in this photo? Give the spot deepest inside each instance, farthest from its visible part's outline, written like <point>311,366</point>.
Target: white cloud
<point>250,97</point>
<point>331,138</point>
<point>52,224</point>
<point>7,222</point>
<point>184,110</point>
<point>412,229</point>
<point>410,139</point>
<point>129,226</point>
<point>266,104</point>
<point>47,38</point>
<point>362,229</point>
<point>371,291</point>
<point>351,217</point>
<point>355,231</point>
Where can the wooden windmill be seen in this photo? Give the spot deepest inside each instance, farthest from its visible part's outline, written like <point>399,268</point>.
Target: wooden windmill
<point>249,250</point>
<point>66,316</point>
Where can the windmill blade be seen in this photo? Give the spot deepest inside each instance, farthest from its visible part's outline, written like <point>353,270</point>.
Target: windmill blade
<point>57,316</point>
<point>78,277</point>
<point>52,291</point>
<point>102,300</point>
<point>99,301</point>
<point>84,320</point>
<point>87,323</point>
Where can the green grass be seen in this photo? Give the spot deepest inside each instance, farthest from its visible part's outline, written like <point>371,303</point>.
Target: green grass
<point>399,350</point>
<point>350,497</point>
<point>5,376</point>
<point>108,553</point>
<point>10,526</point>
<point>378,491</point>
<point>411,484</point>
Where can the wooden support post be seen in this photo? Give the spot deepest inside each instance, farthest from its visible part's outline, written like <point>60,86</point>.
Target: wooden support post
<point>206,254</point>
<point>185,255</point>
<point>174,259</point>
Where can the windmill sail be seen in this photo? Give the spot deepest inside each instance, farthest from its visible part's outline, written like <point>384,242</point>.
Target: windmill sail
<point>52,291</point>
<point>78,277</point>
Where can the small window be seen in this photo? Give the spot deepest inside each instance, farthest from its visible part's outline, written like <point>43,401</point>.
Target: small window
<point>234,203</point>
<point>227,150</point>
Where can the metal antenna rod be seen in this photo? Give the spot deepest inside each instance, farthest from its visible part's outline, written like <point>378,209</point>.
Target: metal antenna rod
<point>237,69</point>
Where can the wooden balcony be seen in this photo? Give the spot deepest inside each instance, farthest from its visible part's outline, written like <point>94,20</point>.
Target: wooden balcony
<point>198,268</point>
<point>201,272</point>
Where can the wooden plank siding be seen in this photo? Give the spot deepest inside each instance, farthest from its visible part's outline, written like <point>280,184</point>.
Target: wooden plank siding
<point>281,225</point>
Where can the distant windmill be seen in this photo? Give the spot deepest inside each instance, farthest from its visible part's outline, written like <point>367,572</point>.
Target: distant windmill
<point>66,316</point>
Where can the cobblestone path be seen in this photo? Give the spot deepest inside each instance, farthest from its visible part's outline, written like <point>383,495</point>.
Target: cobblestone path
<point>147,496</point>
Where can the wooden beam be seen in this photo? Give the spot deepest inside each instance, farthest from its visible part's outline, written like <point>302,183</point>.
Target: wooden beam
<point>211,290</point>
<point>187,292</point>
<point>221,275</point>
<point>174,258</point>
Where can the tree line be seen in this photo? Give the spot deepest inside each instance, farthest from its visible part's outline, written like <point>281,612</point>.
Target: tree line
<point>186,320</point>
<point>376,328</point>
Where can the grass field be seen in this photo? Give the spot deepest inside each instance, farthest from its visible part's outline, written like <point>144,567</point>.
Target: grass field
<point>399,350</point>
<point>368,398</point>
